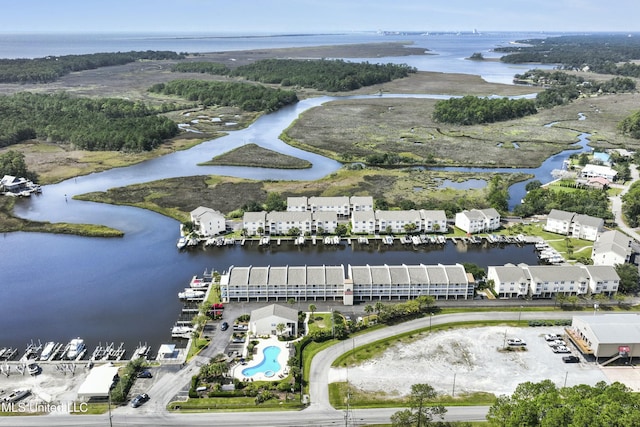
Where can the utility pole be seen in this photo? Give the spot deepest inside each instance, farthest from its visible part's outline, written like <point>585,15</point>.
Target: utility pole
<point>453,392</point>
<point>109,402</point>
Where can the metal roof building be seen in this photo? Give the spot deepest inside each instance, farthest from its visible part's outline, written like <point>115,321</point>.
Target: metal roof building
<point>609,336</point>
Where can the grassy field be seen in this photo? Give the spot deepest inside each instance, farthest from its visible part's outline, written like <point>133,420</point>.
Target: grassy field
<point>351,130</point>
<point>253,155</point>
<point>176,197</point>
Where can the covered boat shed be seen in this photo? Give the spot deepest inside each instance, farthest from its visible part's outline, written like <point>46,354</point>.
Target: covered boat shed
<point>98,382</point>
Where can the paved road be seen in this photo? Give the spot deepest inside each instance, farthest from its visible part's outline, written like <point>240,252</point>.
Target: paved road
<point>616,205</point>
<point>263,419</point>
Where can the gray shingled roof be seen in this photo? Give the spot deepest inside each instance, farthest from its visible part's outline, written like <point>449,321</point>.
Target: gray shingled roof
<point>280,216</point>
<point>360,216</point>
<point>254,216</point>
<point>287,313</point>
<point>602,272</point>
<point>398,215</point>
<point>587,220</point>
<point>510,273</point>
<point>433,215</point>
<point>557,273</point>
<point>559,215</point>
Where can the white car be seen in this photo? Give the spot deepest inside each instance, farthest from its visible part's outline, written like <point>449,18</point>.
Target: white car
<point>552,337</point>
<point>556,343</point>
<point>561,349</point>
<point>516,342</point>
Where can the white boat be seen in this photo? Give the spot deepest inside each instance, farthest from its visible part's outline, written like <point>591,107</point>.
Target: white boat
<point>181,331</point>
<point>182,242</point>
<point>47,351</point>
<point>16,395</point>
<point>191,294</point>
<point>75,348</point>
<point>197,282</point>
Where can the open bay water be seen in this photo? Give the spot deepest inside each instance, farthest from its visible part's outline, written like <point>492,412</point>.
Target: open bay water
<point>57,287</point>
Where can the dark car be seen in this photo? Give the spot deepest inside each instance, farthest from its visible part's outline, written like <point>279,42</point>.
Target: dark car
<point>139,400</point>
<point>570,359</point>
<point>145,374</point>
<point>224,326</point>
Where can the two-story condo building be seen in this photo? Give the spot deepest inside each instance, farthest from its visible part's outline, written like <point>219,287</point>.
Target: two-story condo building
<point>281,223</point>
<point>363,222</point>
<point>255,223</point>
<point>478,220</point>
<point>398,221</point>
<point>208,222</point>
<point>611,248</point>
<point>521,281</point>
<point>575,225</point>
<point>369,222</point>
<point>343,206</point>
<point>433,221</point>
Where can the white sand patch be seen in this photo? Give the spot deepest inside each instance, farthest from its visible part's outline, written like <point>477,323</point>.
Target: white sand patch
<point>472,357</point>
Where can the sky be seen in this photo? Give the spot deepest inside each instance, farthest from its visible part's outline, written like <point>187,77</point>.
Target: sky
<point>307,16</point>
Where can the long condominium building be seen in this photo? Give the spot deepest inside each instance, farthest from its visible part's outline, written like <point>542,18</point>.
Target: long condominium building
<point>350,284</point>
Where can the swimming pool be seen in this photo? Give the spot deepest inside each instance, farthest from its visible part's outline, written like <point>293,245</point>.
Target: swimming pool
<point>269,364</point>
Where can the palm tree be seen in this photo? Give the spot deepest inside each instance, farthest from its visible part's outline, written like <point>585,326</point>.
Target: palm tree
<point>280,328</point>
<point>379,307</point>
<point>368,309</point>
<point>312,309</point>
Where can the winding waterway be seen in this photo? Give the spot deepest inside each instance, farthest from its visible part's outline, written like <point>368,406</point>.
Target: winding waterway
<point>56,287</point>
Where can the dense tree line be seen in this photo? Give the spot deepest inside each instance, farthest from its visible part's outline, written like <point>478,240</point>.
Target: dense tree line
<point>50,68</point>
<point>544,404</point>
<point>470,110</point>
<point>588,202</point>
<point>630,125</point>
<point>563,88</point>
<point>89,124</point>
<point>327,75</point>
<point>631,205</point>
<point>12,163</point>
<point>249,97</point>
<point>597,53</point>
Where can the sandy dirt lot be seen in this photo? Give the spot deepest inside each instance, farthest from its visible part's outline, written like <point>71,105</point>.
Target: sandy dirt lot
<point>472,356</point>
<point>52,386</point>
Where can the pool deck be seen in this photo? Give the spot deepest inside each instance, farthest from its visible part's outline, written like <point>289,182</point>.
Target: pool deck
<point>283,357</point>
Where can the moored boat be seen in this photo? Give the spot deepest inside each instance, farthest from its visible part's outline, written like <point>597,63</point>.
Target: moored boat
<point>75,349</point>
<point>182,242</point>
<point>47,351</point>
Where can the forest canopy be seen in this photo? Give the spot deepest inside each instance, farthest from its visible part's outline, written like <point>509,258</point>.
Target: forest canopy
<point>470,110</point>
<point>50,68</point>
<point>249,97</point>
<point>600,53</point>
<point>327,75</point>
<point>89,124</point>
<point>588,202</point>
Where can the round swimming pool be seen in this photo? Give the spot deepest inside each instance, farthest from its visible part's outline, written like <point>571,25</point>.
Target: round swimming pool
<point>268,365</point>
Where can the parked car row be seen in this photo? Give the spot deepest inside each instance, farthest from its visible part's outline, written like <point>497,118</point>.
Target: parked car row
<point>559,345</point>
